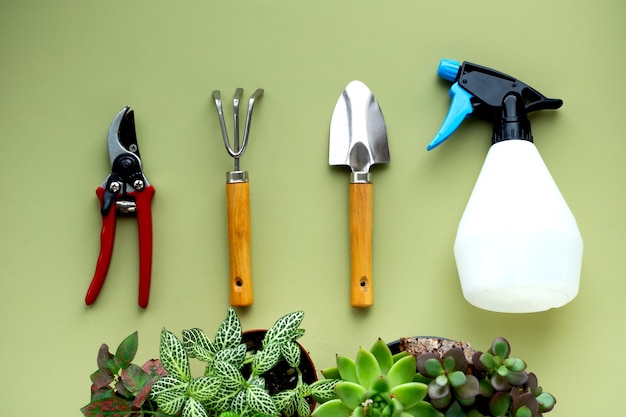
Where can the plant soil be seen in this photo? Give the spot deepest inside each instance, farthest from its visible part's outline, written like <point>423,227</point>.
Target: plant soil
<point>282,376</point>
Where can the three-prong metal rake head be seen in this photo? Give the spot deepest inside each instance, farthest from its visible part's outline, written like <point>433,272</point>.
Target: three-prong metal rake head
<point>236,149</point>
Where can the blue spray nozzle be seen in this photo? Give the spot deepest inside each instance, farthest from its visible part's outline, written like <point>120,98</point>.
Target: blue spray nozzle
<point>448,69</point>
<point>490,95</point>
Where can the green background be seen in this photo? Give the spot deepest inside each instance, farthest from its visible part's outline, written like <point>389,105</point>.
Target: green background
<point>69,66</point>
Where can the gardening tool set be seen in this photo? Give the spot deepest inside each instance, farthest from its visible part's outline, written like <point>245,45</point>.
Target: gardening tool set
<point>358,139</point>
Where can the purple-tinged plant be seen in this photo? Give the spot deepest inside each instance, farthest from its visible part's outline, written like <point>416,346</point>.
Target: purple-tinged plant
<point>120,387</point>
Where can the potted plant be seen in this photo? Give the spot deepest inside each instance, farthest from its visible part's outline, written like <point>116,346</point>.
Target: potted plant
<point>245,374</point>
<point>433,377</point>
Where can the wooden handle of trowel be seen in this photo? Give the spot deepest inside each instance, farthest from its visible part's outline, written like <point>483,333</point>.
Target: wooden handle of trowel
<point>361,201</point>
<point>238,214</point>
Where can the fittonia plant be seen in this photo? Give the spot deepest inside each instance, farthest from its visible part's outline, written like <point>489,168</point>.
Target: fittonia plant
<point>233,381</point>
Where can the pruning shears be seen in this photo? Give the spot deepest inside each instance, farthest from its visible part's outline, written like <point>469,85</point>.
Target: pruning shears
<point>126,191</point>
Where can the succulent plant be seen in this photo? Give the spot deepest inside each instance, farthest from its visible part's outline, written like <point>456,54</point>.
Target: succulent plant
<point>376,384</point>
<point>120,387</point>
<point>466,383</point>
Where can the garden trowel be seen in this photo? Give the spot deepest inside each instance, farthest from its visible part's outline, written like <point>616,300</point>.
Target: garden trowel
<point>358,139</point>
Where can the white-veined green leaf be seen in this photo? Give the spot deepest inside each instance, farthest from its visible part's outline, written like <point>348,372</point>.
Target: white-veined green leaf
<point>197,344</point>
<point>204,388</point>
<point>229,333</point>
<point>303,407</point>
<point>222,401</point>
<point>173,356</point>
<point>169,393</point>
<point>193,408</point>
<point>266,359</point>
<point>291,352</point>
<point>234,356</point>
<point>260,401</point>
<point>285,329</point>
<point>239,402</point>
<point>257,381</point>
<point>229,376</point>
<point>324,390</point>
<point>283,400</point>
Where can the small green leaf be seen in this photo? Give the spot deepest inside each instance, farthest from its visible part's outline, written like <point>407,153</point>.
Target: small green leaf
<point>229,333</point>
<point>234,356</point>
<point>514,364</point>
<point>422,409</point>
<point>302,407</point>
<point>266,359</point>
<point>229,376</point>
<point>324,390</point>
<point>409,394</point>
<point>260,401</point>
<point>285,329</point>
<point>291,352</point>
<point>350,393</point>
<point>383,355</point>
<point>546,402</point>
<point>173,356</point>
<point>367,368</point>
<point>501,347</point>
<point>333,408</point>
<point>468,390</point>
<point>169,394</point>
<point>380,385</point>
<point>499,404</point>
<point>402,371</point>
<point>433,367</point>
<point>523,411</point>
<point>331,373</point>
<point>204,388</point>
<point>457,378</point>
<point>198,345</point>
<point>126,351</point>
<point>193,408</point>
<point>488,360</point>
<point>346,368</point>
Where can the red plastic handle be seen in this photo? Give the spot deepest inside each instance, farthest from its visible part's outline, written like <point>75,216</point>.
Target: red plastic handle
<point>107,235</point>
<point>143,200</point>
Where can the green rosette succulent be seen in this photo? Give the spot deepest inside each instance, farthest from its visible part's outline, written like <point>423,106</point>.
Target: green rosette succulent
<point>375,384</point>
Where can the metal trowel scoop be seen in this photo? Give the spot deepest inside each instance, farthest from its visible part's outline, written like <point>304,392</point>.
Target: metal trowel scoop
<point>358,139</point>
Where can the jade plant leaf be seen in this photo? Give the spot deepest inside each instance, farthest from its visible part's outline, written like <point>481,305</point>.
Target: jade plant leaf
<point>174,356</point>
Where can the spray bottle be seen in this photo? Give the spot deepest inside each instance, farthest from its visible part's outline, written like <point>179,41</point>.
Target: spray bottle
<point>518,248</point>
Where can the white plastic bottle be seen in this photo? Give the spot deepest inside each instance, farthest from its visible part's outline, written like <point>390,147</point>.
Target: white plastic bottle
<point>518,248</point>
